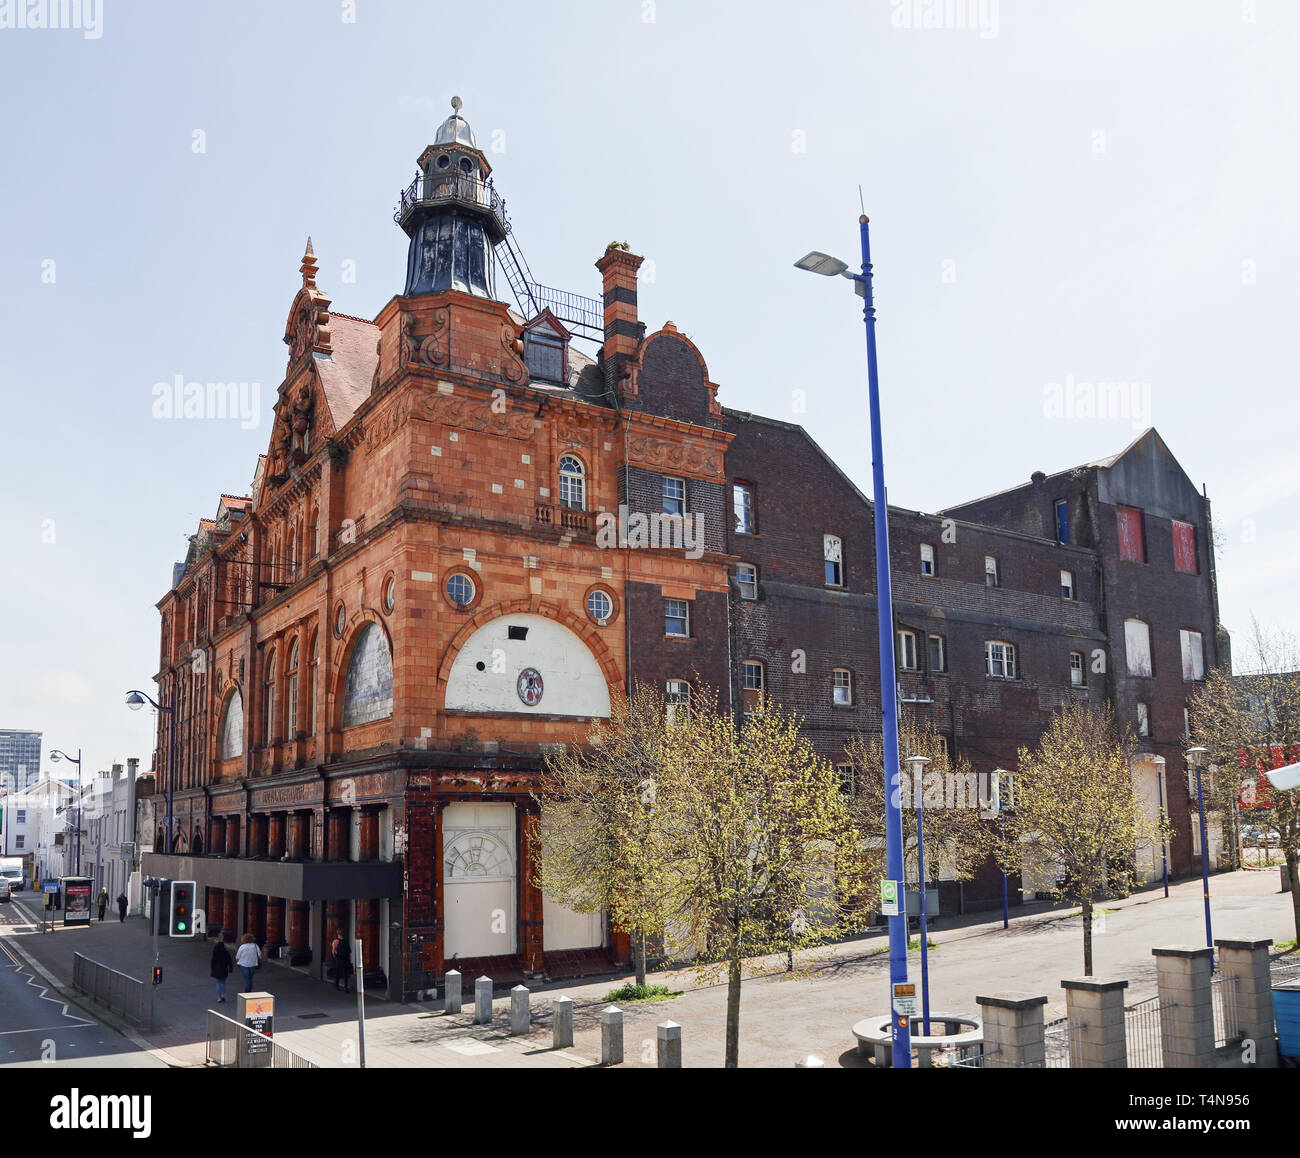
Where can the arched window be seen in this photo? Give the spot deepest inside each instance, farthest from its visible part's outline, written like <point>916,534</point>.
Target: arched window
<point>232,727</point>
<point>268,701</point>
<point>291,667</point>
<point>368,685</point>
<point>313,663</point>
<point>573,483</point>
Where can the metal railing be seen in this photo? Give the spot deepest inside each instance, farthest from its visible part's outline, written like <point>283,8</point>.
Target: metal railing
<point>1061,1042</point>
<point>992,1060</point>
<point>231,1045</point>
<point>452,186</point>
<point>1223,996</point>
<point>1142,1033</point>
<point>114,990</point>
<point>1282,974</point>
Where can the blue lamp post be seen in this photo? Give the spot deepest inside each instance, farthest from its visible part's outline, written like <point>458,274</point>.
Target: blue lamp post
<point>1195,757</point>
<point>1164,844</point>
<point>55,756</point>
<point>135,700</point>
<point>828,266</point>
<point>917,769</point>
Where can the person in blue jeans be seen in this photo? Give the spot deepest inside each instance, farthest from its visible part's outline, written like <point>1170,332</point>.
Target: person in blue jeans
<point>248,957</point>
<point>221,967</point>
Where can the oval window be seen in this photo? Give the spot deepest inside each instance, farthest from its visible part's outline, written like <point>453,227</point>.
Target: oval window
<point>444,161</point>
<point>465,166</point>
<point>599,606</point>
<point>340,620</point>
<point>460,589</point>
<point>390,594</point>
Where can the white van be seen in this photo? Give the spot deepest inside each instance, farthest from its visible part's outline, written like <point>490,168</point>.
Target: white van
<point>11,869</point>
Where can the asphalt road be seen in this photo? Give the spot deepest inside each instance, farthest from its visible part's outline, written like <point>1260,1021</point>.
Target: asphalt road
<point>38,1027</point>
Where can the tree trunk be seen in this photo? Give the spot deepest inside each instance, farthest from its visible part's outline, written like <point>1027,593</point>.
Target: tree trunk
<point>1087,938</point>
<point>733,1011</point>
<point>638,956</point>
<point>1292,865</point>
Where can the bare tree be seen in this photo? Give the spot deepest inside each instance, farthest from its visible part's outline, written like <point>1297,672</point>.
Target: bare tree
<point>1251,724</point>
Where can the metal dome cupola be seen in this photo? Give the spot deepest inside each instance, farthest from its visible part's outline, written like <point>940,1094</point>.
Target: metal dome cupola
<point>452,214</point>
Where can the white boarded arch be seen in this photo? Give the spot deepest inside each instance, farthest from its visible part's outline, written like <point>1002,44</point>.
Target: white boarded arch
<point>552,665</point>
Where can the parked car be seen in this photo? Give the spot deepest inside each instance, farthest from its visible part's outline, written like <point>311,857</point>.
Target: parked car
<point>4,889</point>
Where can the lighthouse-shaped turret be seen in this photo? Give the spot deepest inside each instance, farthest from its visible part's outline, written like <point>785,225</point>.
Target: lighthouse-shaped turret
<point>452,215</point>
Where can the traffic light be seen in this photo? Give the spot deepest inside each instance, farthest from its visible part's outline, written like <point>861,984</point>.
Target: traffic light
<point>157,974</point>
<point>182,910</point>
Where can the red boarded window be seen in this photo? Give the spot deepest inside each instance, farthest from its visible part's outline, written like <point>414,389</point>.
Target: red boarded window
<point>1184,547</point>
<point>1131,546</point>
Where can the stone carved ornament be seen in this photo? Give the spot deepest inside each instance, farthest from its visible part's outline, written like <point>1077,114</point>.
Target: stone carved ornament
<point>473,414</point>
<point>661,454</point>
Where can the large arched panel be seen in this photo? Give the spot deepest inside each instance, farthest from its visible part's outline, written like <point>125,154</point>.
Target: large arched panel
<point>527,663</point>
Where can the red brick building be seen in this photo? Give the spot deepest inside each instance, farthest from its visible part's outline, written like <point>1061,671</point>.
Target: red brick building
<point>440,569</point>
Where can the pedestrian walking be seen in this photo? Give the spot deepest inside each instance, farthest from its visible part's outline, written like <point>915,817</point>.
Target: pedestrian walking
<point>221,967</point>
<point>121,908</point>
<point>342,962</point>
<point>248,957</point>
<point>102,902</point>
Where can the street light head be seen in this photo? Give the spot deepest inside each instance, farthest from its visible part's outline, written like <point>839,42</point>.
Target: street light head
<point>134,701</point>
<point>821,263</point>
<point>1196,755</point>
<point>56,756</point>
<point>918,762</point>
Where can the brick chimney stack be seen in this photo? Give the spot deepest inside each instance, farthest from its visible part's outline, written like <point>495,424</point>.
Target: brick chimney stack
<point>623,332</point>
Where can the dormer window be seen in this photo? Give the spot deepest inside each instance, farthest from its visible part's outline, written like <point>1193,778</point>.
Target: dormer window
<point>546,353</point>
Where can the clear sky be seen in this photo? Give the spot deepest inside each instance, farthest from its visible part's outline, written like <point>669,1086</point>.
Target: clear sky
<point>1060,193</point>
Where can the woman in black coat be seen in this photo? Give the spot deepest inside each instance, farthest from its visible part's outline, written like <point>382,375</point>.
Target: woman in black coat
<point>221,966</point>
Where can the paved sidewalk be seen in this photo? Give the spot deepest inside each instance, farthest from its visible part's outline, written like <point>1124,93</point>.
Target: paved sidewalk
<point>311,1017</point>
<point>783,1016</point>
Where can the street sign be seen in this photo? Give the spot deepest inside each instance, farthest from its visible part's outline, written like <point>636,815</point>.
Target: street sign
<point>905,1000</point>
<point>889,898</point>
<point>128,849</point>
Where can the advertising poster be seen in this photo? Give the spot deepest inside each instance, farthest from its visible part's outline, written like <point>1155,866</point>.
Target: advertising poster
<point>76,900</point>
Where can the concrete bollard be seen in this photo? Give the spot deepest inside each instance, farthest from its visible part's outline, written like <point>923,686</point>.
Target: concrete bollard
<point>483,1001</point>
<point>521,1017</point>
<point>611,1036</point>
<point>562,1023</point>
<point>669,1045</point>
<point>811,1062</point>
<point>451,999</point>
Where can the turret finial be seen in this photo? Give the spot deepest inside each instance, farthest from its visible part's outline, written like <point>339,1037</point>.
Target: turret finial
<point>456,105</point>
<point>308,268</point>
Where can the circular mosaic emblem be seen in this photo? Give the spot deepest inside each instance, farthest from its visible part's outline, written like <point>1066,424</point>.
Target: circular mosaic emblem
<point>529,686</point>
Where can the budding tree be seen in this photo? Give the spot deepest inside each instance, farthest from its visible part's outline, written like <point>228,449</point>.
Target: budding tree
<point>604,842</point>
<point>766,848</point>
<point>951,796</point>
<point>1075,804</point>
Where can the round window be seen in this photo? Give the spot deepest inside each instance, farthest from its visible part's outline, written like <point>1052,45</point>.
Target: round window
<point>465,166</point>
<point>390,594</point>
<point>599,606</point>
<point>460,589</point>
<point>340,620</point>
<point>444,161</point>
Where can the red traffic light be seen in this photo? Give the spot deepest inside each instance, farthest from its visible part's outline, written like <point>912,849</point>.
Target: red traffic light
<point>157,974</point>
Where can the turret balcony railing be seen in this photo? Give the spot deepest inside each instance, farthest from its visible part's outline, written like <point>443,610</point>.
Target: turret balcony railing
<point>442,187</point>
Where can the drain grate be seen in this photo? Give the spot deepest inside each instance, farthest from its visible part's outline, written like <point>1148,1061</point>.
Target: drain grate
<point>311,1016</point>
